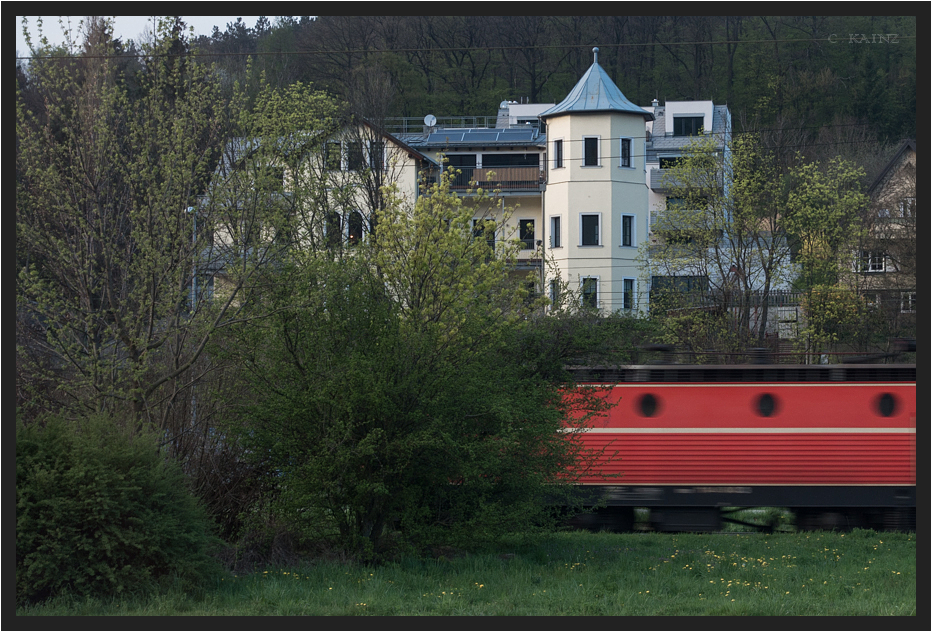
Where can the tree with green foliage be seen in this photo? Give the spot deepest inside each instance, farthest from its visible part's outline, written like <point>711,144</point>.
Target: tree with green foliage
<point>733,222</point>
<point>720,248</point>
<point>107,248</point>
<point>149,204</point>
<point>824,211</point>
<point>839,319</point>
<point>392,396</point>
<point>132,207</point>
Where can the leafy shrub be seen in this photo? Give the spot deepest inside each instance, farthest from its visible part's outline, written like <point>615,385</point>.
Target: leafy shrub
<point>100,512</point>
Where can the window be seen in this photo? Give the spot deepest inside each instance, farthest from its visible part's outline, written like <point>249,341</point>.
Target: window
<point>670,162</point>
<point>354,228</point>
<point>461,160</point>
<point>334,157</point>
<point>676,204</point>
<point>531,294</point>
<point>486,228</point>
<point>628,293</point>
<point>907,302</point>
<point>526,233</point>
<point>626,152</point>
<point>589,229</point>
<point>680,284</point>
<point>556,238</point>
<point>872,261</point>
<point>511,160</point>
<point>554,291</point>
<point>687,125</point>
<point>590,151</point>
<point>354,157</point>
<point>271,178</point>
<point>590,292</point>
<point>627,230</point>
<point>376,154</point>
<point>333,229</point>
<point>558,154</point>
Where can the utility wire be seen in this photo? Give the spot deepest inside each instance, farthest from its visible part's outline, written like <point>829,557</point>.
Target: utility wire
<point>445,49</point>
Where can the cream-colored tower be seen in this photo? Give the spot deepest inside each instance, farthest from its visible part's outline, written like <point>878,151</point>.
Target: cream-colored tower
<point>596,199</point>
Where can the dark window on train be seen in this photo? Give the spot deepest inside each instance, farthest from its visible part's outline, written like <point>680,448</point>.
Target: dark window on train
<point>886,405</point>
<point>648,405</point>
<point>766,405</point>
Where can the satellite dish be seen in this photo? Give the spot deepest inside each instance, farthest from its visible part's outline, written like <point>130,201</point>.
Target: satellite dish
<point>430,120</point>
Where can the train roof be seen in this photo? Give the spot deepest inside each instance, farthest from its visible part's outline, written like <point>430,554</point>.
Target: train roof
<point>745,373</point>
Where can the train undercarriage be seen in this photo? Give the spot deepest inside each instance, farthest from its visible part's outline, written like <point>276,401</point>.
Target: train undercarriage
<point>699,508</point>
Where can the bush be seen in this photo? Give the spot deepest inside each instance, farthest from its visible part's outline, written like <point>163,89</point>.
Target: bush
<point>100,512</point>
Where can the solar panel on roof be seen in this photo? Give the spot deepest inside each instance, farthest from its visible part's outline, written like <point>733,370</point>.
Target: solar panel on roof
<point>477,136</point>
<point>445,137</point>
<point>517,134</point>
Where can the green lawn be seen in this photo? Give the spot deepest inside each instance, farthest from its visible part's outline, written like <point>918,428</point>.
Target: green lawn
<point>815,573</point>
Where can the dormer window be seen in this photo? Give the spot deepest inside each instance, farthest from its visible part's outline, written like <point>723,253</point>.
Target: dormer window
<point>687,125</point>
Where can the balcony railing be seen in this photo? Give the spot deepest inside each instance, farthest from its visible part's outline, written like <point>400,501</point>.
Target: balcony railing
<point>415,124</point>
<point>504,178</point>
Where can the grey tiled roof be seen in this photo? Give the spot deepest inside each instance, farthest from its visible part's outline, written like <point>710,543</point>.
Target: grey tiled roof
<point>595,92</point>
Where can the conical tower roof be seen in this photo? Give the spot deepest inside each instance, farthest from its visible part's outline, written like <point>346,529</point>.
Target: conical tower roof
<point>595,92</point>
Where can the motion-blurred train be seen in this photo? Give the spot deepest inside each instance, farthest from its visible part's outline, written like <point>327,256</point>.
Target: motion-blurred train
<point>835,444</point>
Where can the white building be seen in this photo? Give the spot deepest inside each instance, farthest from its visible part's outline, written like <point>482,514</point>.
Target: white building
<point>596,198</point>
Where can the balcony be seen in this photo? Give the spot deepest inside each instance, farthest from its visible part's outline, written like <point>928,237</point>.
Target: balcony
<point>504,178</point>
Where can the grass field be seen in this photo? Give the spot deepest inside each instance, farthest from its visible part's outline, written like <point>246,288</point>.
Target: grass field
<point>815,573</point>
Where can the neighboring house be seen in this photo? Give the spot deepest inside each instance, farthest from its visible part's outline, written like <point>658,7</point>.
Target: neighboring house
<point>884,268</point>
<point>676,125</point>
<point>701,257</point>
<point>359,162</point>
<point>319,190</point>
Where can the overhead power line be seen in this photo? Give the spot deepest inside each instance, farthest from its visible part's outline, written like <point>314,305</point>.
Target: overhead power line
<point>451,49</point>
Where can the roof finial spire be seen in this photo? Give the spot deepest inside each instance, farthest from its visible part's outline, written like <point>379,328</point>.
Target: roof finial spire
<point>595,55</point>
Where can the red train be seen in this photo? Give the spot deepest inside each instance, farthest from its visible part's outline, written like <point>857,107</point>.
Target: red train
<point>835,444</point>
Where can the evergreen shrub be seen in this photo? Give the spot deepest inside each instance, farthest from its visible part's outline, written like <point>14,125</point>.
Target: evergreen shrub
<point>99,512</point>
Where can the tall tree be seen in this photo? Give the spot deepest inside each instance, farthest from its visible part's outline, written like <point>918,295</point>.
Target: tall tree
<point>118,234</point>
<point>720,235</point>
<point>379,407</point>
